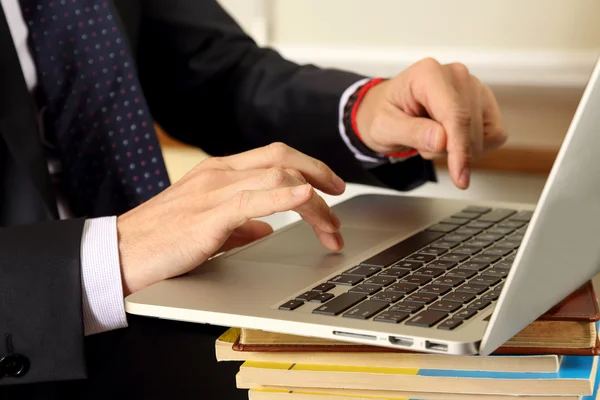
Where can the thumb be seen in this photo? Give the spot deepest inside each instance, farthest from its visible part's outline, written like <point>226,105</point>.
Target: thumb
<point>423,134</point>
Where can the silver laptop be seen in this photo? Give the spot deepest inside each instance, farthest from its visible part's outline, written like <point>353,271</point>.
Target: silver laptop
<point>422,274</point>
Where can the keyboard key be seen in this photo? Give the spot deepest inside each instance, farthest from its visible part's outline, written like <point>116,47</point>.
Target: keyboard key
<point>455,221</point>
<point>365,310</point>
<point>461,298</point>
<point>444,244</point>
<point>485,258</point>
<point>511,224</point>
<point>461,273</point>
<point>449,281</point>
<point>380,280</point>
<point>324,287</point>
<point>466,215</point>
<point>468,231</point>
<point>477,209</point>
<point>479,224</point>
<point>446,306</point>
<point>424,258</point>
<point>392,317</point>
<point>450,324</point>
<point>406,307</point>
<point>508,244</point>
<point>454,257</point>
<point>434,273</point>
<point>346,280</point>
<point>421,297</point>
<point>363,270</point>
<point>387,296</point>
<point>321,298</point>
<point>488,236</point>
<point>496,273</point>
<point>503,265</point>
<point>496,215</point>
<point>456,238</point>
<point>479,243</point>
<point>466,250</point>
<point>401,287</point>
<point>409,265</point>
<point>441,264</point>
<point>510,258</point>
<point>475,266</point>
<point>416,280</point>
<point>517,237</point>
<point>465,314</point>
<point>403,249</point>
<point>472,288</point>
<point>445,228</point>
<point>492,296</point>
<point>524,216</point>
<point>496,251</point>
<point>485,280</point>
<point>500,231</point>
<point>340,304</point>
<point>436,251</point>
<point>394,273</point>
<point>307,296</point>
<point>479,304</point>
<point>291,305</point>
<point>436,289</point>
<point>427,318</point>
<point>365,288</point>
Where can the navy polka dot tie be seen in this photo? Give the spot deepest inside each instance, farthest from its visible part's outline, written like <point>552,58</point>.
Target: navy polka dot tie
<point>96,114</point>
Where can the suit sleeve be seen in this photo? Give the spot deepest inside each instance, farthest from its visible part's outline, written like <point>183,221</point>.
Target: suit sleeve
<point>208,84</point>
<point>40,284</point>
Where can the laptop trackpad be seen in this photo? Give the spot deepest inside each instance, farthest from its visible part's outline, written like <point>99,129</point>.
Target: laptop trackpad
<point>299,246</point>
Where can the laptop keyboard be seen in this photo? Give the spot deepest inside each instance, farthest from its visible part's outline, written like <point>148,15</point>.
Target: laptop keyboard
<point>438,278</point>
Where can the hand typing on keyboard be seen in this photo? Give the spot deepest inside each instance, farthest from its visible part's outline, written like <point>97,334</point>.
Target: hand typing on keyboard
<point>213,206</point>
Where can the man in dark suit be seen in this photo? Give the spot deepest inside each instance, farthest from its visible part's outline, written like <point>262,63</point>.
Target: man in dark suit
<point>87,213</point>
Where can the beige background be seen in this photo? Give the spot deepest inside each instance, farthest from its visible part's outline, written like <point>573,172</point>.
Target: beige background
<point>506,24</point>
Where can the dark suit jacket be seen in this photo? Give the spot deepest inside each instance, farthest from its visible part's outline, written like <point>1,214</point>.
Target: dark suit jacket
<point>207,84</point>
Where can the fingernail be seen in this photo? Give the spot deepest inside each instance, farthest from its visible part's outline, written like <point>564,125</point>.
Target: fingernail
<point>301,191</point>
<point>465,177</point>
<point>338,183</point>
<point>433,138</point>
<point>339,240</point>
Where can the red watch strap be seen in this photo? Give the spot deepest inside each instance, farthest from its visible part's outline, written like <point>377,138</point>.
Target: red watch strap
<point>361,95</point>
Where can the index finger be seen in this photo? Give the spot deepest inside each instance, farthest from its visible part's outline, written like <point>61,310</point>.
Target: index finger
<point>439,93</point>
<point>314,171</point>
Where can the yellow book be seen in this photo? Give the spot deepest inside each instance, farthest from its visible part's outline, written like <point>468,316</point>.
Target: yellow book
<point>272,393</point>
<point>576,377</point>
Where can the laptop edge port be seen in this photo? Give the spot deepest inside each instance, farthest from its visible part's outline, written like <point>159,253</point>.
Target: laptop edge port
<point>401,341</point>
<point>436,346</point>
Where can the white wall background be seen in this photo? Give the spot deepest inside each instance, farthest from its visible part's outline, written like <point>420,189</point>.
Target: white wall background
<point>536,54</point>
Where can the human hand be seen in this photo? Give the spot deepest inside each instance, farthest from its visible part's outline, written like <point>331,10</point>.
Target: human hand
<point>437,109</point>
<point>210,210</point>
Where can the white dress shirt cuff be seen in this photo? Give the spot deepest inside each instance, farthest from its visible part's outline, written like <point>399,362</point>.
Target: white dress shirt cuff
<point>343,100</point>
<point>102,290</point>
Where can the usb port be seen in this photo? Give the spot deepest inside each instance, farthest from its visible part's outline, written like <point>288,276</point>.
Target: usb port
<point>401,341</point>
<point>436,346</point>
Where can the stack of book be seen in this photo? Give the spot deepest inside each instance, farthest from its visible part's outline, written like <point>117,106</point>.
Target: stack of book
<point>556,357</point>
